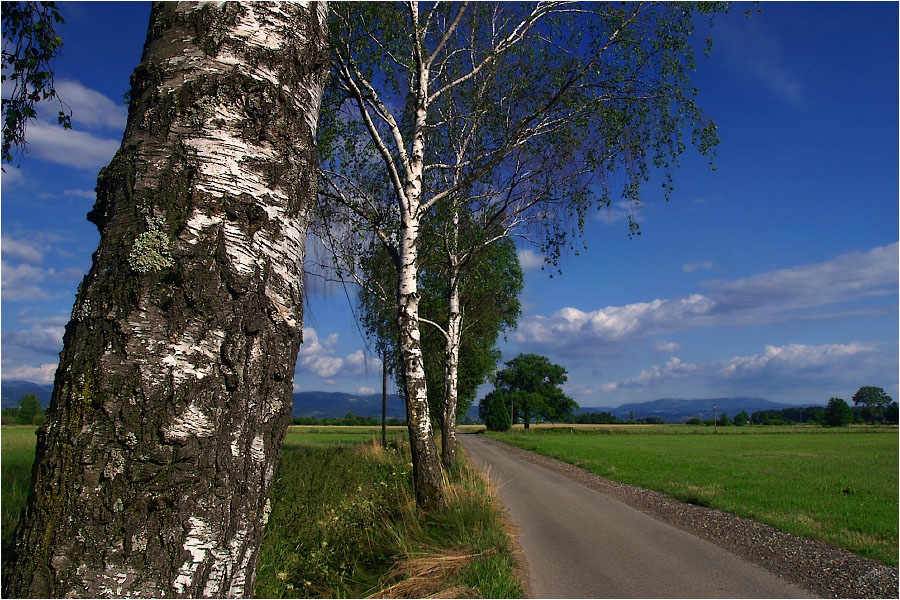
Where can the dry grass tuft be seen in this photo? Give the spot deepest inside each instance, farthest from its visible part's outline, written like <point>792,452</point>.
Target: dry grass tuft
<point>427,576</point>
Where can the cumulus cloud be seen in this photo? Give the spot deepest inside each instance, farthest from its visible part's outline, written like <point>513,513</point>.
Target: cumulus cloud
<point>76,193</point>
<point>848,277</point>
<point>706,265</point>
<point>39,338</point>
<point>27,282</point>
<point>662,346</point>
<point>24,250</point>
<point>529,259</point>
<point>774,364</point>
<point>571,328</point>
<point>11,176</point>
<point>317,356</point>
<point>618,212</point>
<point>365,390</point>
<point>769,297</point>
<point>38,374</point>
<point>70,147</point>
<point>90,108</point>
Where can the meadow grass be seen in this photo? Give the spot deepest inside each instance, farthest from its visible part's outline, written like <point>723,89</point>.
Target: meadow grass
<point>344,521</point>
<point>837,486</point>
<point>17,452</point>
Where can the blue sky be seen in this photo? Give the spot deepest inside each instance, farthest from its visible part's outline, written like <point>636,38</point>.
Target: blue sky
<point>775,276</point>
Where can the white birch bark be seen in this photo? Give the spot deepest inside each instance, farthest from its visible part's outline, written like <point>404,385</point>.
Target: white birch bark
<point>451,372</point>
<point>174,387</point>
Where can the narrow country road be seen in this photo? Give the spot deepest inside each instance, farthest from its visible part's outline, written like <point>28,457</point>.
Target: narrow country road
<point>579,543</point>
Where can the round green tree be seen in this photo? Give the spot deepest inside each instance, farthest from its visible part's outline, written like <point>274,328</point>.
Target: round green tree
<point>494,412</point>
<point>838,413</point>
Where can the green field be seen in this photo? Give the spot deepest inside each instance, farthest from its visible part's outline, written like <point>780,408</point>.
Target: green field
<point>344,521</point>
<point>17,454</point>
<point>836,486</point>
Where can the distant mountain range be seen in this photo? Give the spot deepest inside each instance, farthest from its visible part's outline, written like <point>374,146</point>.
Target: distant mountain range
<point>338,404</point>
<point>11,390</point>
<point>675,410</point>
<point>306,404</point>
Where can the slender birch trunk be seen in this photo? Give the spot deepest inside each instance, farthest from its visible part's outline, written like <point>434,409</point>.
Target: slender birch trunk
<point>426,463</point>
<point>173,391</point>
<point>451,373</point>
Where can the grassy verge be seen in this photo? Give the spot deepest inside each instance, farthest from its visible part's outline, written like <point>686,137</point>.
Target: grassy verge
<point>15,477</point>
<point>833,486</point>
<point>344,524</point>
<point>344,521</point>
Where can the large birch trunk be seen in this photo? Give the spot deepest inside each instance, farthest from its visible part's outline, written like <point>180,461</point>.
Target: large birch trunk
<point>451,375</point>
<point>426,463</point>
<point>173,391</point>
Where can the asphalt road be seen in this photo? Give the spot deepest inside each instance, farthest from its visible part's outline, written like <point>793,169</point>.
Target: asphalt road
<point>579,543</point>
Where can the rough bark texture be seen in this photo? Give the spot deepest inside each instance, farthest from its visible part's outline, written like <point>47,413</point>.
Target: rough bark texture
<point>174,386</point>
<point>426,462</point>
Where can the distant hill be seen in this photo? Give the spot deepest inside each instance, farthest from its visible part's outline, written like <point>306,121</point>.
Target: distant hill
<point>676,410</point>
<point>338,404</point>
<point>306,404</point>
<point>11,390</point>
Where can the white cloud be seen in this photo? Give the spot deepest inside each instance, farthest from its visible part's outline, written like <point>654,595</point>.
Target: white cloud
<point>39,338</point>
<point>90,108</point>
<point>572,328</point>
<point>619,211</point>
<point>851,276</point>
<point>70,147</point>
<point>317,357</point>
<point>10,176</point>
<point>758,52</point>
<point>356,361</point>
<point>365,390</point>
<point>662,346</point>
<point>25,250</point>
<point>529,259</point>
<point>706,265</point>
<point>23,282</point>
<point>89,194</point>
<point>56,321</point>
<point>774,296</point>
<point>42,374</point>
<point>775,366</point>
<point>323,366</point>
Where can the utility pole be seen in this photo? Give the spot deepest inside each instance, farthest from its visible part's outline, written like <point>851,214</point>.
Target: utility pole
<point>715,419</point>
<point>383,399</point>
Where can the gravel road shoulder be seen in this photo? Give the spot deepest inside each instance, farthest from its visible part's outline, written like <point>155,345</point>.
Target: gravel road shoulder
<point>822,569</point>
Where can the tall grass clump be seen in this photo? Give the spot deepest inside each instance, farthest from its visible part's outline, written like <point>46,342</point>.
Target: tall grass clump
<point>344,523</point>
<point>15,479</point>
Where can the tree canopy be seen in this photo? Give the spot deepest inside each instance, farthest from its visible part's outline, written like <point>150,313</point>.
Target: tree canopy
<point>873,400</point>
<point>838,413</point>
<point>532,385</point>
<point>30,43</point>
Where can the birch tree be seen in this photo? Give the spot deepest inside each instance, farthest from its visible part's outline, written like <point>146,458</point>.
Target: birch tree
<point>487,299</point>
<point>174,387</point>
<point>525,115</point>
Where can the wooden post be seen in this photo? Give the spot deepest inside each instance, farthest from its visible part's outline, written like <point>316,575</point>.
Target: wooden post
<point>384,400</point>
